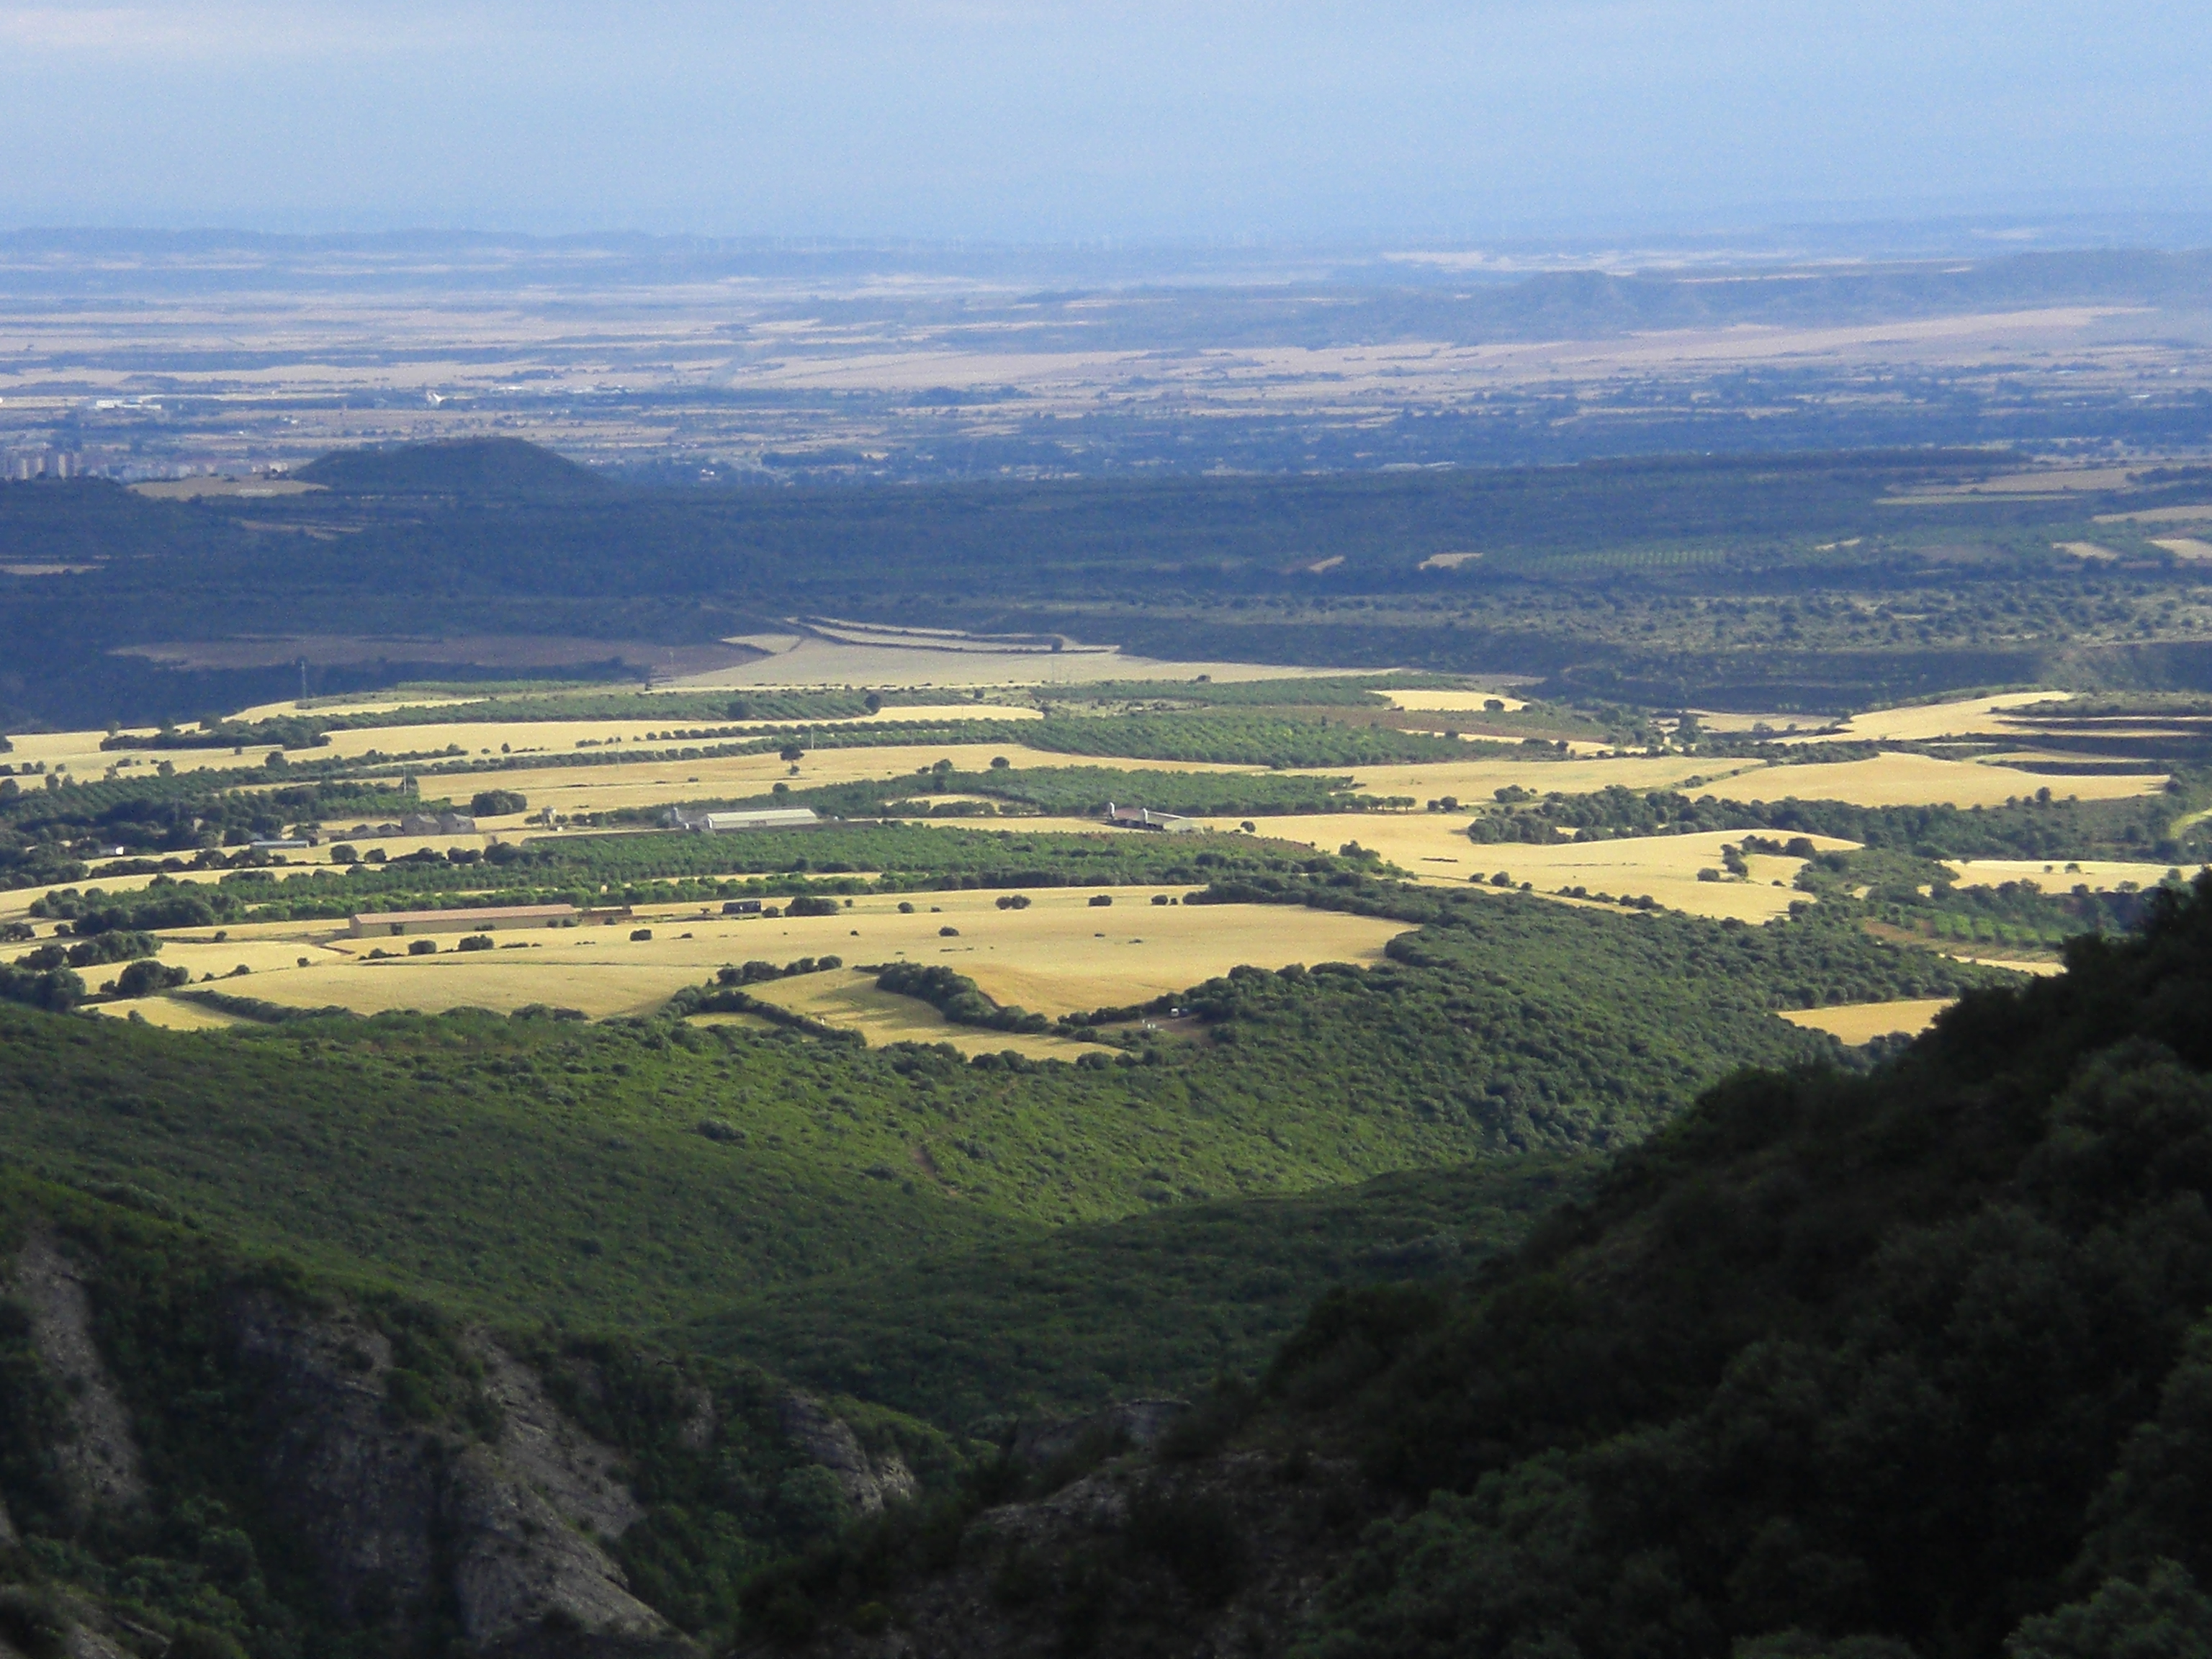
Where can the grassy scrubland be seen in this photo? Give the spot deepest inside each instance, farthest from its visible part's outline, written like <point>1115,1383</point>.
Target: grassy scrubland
<point>1139,1307</point>
<point>642,1171</point>
<point>1909,1361</point>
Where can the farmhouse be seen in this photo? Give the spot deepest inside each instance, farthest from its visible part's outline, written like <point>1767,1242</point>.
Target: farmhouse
<point>388,924</point>
<point>1141,818</point>
<point>772,818</point>
<point>444,823</point>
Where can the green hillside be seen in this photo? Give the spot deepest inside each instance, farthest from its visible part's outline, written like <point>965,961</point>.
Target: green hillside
<point>640,1172</point>
<point>472,468</point>
<point>1912,1362</point>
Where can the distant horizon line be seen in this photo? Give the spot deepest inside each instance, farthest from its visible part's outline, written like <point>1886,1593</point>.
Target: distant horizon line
<point>2010,230</point>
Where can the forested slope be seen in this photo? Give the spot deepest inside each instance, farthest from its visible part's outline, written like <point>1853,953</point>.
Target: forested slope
<point>1815,580</point>
<point>1908,1363</point>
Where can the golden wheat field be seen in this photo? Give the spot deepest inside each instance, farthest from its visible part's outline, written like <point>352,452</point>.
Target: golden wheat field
<point>657,782</point>
<point>480,738</point>
<point>1899,779</point>
<point>171,1013</point>
<point>80,754</point>
<point>1061,954</point>
<point>1451,703</point>
<point>849,1000</point>
<point>1666,867</point>
<point>1862,1021</point>
<point>1924,722</point>
<point>1429,846</point>
<point>2099,875</point>
<point>1433,848</point>
<point>1888,780</point>
<point>1479,779</point>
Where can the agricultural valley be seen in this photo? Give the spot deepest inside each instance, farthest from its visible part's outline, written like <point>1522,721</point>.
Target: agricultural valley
<point>1235,1064</point>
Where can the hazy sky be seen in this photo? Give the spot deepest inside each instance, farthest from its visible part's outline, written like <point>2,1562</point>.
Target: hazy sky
<point>1205,119</point>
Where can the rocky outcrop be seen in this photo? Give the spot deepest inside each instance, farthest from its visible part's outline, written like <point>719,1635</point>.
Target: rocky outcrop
<point>827,1439</point>
<point>581,1478</point>
<point>85,1644</point>
<point>98,1462</point>
<point>524,1582</point>
<point>361,1489</point>
<point>402,1517</point>
<point>1125,1425</point>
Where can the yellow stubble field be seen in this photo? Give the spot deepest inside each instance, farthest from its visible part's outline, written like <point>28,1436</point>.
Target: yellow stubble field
<point>1666,867</point>
<point>652,783</point>
<point>849,1000</point>
<point>1862,1021</point>
<point>2098,875</point>
<point>1451,703</point>
<point>1478,779</point>
<point>1899,780</point>
<point>1433,848</point>
<point>1061,954</point>
<point>1925,722</point>
<point>80,753</point>
<point>563,737</point>
<point>171,1014</point>
<point>1888,780</point>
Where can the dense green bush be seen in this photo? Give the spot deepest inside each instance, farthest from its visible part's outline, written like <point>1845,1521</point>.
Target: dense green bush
<point>955,996</point>
<point>1894,1356</point>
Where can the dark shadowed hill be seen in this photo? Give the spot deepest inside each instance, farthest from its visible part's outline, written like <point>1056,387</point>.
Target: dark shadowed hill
<point>471,467</point>
<point>1914,1363</point>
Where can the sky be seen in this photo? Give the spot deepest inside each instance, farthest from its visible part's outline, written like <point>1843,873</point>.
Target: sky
<point>1207,120</point>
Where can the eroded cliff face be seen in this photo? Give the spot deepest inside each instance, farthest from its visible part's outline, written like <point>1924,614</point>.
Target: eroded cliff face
<point>96,1461</point>
<point>497,1524</point>
<point>868,1483</point>
<point>506,1532</point>
<point>356,1465</point>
